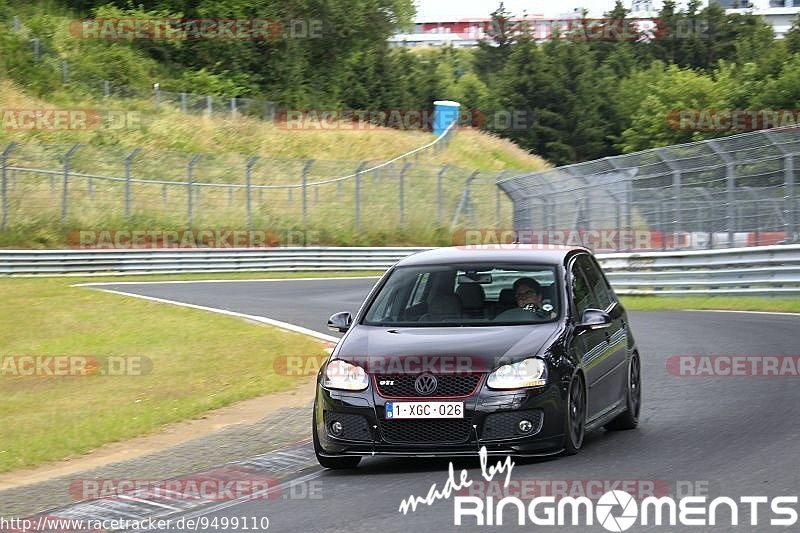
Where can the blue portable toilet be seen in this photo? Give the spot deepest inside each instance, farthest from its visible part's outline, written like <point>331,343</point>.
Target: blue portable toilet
<point>444,113</point>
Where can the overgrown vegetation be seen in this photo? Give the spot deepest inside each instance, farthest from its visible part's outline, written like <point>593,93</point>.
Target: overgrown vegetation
<point>583,97</point>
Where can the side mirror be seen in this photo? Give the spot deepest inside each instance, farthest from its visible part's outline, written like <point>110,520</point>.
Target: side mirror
<point>340,322</point>
<point>594,319</point>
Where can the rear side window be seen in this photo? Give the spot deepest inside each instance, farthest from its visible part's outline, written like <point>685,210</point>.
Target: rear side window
<point>594,279</point>
<point>581,294</point>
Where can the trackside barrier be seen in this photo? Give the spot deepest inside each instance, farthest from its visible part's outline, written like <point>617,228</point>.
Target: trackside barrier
<point>768,270</point>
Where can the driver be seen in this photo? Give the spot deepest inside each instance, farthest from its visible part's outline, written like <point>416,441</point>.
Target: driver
<point>528,294</point>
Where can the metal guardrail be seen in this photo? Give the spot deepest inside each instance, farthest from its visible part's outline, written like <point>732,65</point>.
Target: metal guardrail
<point>770,270</point>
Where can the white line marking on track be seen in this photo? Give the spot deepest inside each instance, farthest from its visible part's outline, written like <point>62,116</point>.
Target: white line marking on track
<point>100,284</point>
<point>262,319</point>
<point>735,311</point>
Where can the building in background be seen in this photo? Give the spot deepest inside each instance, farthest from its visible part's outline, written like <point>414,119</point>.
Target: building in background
<point>780,14</point>
<point>468,31</point>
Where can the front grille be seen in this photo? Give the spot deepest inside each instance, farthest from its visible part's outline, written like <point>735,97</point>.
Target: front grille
<point>355,427</point>
<point>426,431</point>
<point>504,425</point>
<point>452,385</point>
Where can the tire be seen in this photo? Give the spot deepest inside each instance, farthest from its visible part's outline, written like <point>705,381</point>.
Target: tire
<point>575,417</point>
<point>630,418</point>
<point>334,463</point>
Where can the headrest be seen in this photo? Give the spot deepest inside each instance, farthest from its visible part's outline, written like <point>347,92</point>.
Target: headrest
<point>472,295</point>
<point>507,297</point>
<point>445,304</point>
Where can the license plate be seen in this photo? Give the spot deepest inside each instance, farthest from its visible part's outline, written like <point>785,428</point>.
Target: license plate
<point>396,410</point>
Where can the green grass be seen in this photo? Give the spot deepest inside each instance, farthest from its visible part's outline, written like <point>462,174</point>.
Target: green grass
<point>200,361</point>
<point>743,303</point>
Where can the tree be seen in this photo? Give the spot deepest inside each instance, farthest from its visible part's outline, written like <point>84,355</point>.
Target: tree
<point>793,37</point>
<point>492,52</point>
<point>664,103</point>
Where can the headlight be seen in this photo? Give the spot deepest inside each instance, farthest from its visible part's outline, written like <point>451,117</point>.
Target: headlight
<point>527,373</point>
<point>342,375</point>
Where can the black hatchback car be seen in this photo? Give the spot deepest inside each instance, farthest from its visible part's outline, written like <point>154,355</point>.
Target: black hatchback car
<point>522,351</point>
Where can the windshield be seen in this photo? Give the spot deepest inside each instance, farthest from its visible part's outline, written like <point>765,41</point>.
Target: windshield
<point>467,294</point>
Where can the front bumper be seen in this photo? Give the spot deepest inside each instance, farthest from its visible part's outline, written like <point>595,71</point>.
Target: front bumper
<point>490,419</point>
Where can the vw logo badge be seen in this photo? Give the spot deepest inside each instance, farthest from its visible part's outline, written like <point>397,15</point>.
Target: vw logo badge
<point>425,384</point>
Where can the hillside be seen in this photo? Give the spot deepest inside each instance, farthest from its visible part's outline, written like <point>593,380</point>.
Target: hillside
<point>168,138</point>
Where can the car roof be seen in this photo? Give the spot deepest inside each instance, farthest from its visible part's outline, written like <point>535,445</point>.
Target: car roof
<point>507,253</point>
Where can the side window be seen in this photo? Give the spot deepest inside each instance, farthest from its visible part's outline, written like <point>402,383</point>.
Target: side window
<point>580,290</point>
<point>594,278</point>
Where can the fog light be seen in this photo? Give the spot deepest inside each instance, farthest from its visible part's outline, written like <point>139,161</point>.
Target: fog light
<point>337,428</point>
<point>525,426</point>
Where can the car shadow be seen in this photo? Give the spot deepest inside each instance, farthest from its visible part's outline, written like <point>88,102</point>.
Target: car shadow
<point>383,465</point>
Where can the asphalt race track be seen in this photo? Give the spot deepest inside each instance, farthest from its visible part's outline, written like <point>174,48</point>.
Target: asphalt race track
<point>725,436</point>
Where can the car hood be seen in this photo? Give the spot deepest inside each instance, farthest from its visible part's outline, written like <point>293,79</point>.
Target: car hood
<point>400,350</point>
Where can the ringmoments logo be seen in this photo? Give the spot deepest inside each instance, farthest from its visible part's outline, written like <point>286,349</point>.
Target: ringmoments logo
<point>615,510</point>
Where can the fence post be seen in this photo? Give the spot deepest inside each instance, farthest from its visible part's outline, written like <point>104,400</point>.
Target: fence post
<point>678,222</point>
<point>190,181</point>
<point>65,182</point>
<point>249,190</point>
<point>730,179</point>
<point>36,49</point>
<point>64,71</point>
<point>790,218</point>
<point>106,89</point>
<point>358,195</point>
<point>233,107</point>
<point>439,197</point>
<point>403,193</point>
<point>157,91</point>
<point>183,102</point>
<point>3,184</point>
<point>497,198</point>
<point>730,171</point>
<point>465,198</point>
<point>128,162</point>
<point>16,23</point>
<point>306,168</point>
<point>209,103</point>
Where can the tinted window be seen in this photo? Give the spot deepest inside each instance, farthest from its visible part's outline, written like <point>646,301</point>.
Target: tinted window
<point>466,294</point>
<point>581,295</point>
<point>594,279</point>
